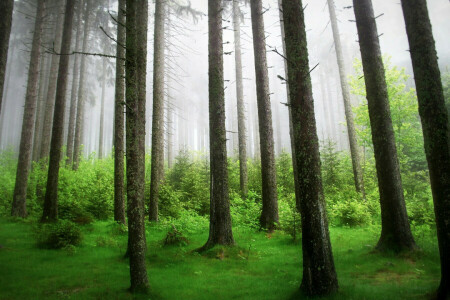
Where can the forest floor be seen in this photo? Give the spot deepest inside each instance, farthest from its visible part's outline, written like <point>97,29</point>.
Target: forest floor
<point>261,267</point>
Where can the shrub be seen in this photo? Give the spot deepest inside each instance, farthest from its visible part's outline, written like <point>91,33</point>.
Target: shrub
<point>245,211</point>
<point>350,212</point>
<point>175,238</point>
<point>58,235</point>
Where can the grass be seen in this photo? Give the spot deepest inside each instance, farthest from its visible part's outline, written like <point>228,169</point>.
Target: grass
<point>261,266</point>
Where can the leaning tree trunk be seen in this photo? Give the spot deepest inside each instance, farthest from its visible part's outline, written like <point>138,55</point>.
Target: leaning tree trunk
<point>354,149</point>
<point>81,92</point>
<point>395,230</point>
<point>157,166</point>
<point>50,212</point>
<point>119,199</point>
<point>19,207</point>
<point>6,12</point>
<point>75,80</point>
<point>319,274</point>
<point>242,132</point>
<point>269,215</point>
<point>136,32</point>
<point>220,219</point>
<point>434,118</point>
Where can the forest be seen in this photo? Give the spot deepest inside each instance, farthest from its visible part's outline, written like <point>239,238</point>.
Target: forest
<point>224,149</point>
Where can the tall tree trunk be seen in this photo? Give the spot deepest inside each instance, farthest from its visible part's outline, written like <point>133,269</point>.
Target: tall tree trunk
<point>170,127</point>
<point>354,149</point>
<point>81,92</point>
<point>269,215</point>
<point>75,81</point>
<point>157,166</point>
<point>50,212</point>
<point>50,99</point>
<point>434,118</point>
<point>319,274</point>
<point>19,207</point>
<point>6,12</point>
<point>136,33</point>
<point>242,131</point>
<point>102,113</point>
<point>220,219</point>
<point>395,230</point>
<point>119,199</point>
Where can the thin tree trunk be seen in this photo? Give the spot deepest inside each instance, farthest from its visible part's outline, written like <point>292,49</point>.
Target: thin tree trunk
<point>220,219</point>
<point>319,274</point>
<point>50,212</point>
<point>6,12</point>
<point>395,230</point>
<point>75,81</point>
<point>242,131</point>
<point>19,207</point>
<point>102,113</point>
<point>354,149</point>
<point>269,215</point>
<point>435,119</point>
<point>169,135</point>
<point>119,199</point>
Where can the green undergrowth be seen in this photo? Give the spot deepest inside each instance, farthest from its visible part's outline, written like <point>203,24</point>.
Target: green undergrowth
<point>260,266</point>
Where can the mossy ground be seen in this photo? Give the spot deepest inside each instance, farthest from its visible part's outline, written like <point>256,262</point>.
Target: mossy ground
<point>262,266</point>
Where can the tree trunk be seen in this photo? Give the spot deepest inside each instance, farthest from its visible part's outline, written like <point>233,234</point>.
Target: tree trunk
<point>395,230</point>
<point>269,215</point>
<point>319,274</point>
<point>242,131</point>
<point>157,166</point>
<point>6,12</point>
<point>102,113</point>
<point>434,118</point>
<point>136,33</point>
<point>81,93</point>
<point>119,199</point>
<point>19,207</point>
<point>220,219</point>
<point>75,80</point>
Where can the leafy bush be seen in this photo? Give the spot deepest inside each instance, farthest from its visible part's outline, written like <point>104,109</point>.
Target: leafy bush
<point>350,212</point>
<point>175,238</point>
<point>58,235</point>
<point>290,219</point>
<point>245,211</point>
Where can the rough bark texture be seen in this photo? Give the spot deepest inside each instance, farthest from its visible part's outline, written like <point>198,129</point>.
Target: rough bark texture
<point>157,166</point>
<point>136,33</point>
<point>395,230</point>
<point>6,12</point>
<point>319,274</point>
<point>220,219</point>
<point>269,215</point>
<point>50,212</point>
<point>19,207</point>
<point>434,118</point>
<point>119,199</point>
<point>75,80</point>
<point>354,149</point>
<point>242,131</point>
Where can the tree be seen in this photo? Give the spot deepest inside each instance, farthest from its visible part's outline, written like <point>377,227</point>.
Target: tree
<point>19,208</point>
<point>319,274</point>
<point>354,151</point>
<point>435,126</point>
<point>119,199</point>
<point>135,64</point>
<point>157,165</point>
<point>50,212</point>
<point>395,230</point>
<point>220,219</point>
<point>6,12</point>
<point>269,215</point>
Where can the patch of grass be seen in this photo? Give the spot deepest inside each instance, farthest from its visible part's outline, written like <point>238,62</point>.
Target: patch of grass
<point>261,266</point>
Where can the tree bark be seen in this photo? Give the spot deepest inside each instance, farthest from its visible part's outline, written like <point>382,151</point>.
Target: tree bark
<point>119,199</point>
<point>136,32</point>
<point>242,131</point>
<point>220,231</point>
<point>354,149</point>
<point>50,212</point>
<point>319,274</point>
<point>435,122</point>
<point>6,12</point>
<point>157,166</point>
<point>395,230</point>
<point>269,215</point>
<point>19,207</point>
